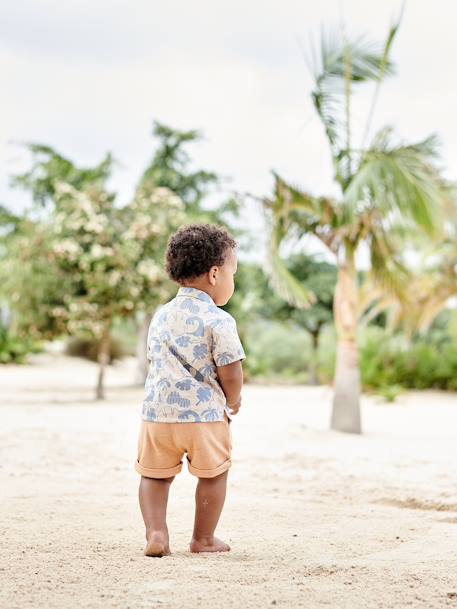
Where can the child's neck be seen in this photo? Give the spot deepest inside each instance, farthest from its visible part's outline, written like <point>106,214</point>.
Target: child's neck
<point>204,286</point>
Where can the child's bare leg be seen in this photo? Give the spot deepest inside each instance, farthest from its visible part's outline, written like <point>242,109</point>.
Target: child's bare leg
<point>153,495</point>
<point>209,501</point>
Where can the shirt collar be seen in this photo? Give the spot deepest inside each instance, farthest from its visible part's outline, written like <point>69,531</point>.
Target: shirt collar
<point>195,293</point>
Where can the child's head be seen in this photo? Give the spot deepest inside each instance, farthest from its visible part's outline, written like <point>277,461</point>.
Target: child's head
<point>203,256</point>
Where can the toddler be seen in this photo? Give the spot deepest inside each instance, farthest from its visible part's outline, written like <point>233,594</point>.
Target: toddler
<point>193,387</point>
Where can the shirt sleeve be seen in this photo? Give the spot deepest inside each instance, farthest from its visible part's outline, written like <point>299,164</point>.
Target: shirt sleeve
<point>226,344</point>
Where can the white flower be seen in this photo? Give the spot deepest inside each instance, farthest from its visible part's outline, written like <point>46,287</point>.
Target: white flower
<point>97,251</point>
<point>67,246</point>
<point>64,188</point>
<point>114,277</point>
<point>85,203</point>
<point>149,269</point>
<point>94,227</point>
<point>165,195</point>
<point>96,224</point>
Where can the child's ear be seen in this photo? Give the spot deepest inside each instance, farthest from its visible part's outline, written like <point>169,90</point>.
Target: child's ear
<point>212,275</point>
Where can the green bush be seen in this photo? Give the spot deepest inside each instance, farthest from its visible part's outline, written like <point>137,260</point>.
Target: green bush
<point>87,347</point>
<point>277,351</point>
<point>390,393</point>
<point>125,332</point>
<point>428,362</point>
<point>15,348</point>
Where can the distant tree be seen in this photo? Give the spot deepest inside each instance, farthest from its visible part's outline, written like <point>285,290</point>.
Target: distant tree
<point>320,278</point>
<point>254,299</point>
<point>170,167</point>
<point>31,285</point>
<point>87,261</point>
<point>57,185</point>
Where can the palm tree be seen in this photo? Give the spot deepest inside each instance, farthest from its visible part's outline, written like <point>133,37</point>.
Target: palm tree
<point>387,189</point>
<point>433,286</point>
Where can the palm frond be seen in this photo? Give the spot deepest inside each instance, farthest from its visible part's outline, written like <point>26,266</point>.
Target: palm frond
<point>387,269</point>
<point>393,30</point>
<point>282,280</point>
<point>371,300</point>
<point>338,60</point>
<point>399,179</point>
<point>427,299</point>
<point>432,310</point>
<point>304,213</point>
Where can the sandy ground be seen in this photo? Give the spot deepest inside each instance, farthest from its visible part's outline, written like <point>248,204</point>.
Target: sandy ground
<point>315,518</point>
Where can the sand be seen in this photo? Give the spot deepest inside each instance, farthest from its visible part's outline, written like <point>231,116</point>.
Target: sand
<point>315,518</point>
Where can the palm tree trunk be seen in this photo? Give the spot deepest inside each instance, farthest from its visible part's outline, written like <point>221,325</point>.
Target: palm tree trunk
<point>142,365</point>
<point>346,401</point>
<point>103,360</point>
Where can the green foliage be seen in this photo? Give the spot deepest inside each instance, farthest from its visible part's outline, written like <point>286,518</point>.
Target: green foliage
<point>391,176</point>
<point>125,332</point>
<point>390,393</point>
<point>320,278</point>
<point>254,301</point>
<point>170,167</point>
<point>113,255</point>
<point>88,347</point>
<point>428,362</point>
<point>34,288</point>
<point>49,167</point>
<point>281,351</point>
<point>79,261</point>
<point>88,260</point>
<point>338,64</point>
<point>254,298</point>
<point>14,348</point>
<point>277,351</point>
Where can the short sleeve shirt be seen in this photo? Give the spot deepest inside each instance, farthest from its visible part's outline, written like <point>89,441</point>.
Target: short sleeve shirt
<point>188,337</point>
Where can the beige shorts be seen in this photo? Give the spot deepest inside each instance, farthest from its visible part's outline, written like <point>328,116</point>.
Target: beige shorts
<point>161,447</point>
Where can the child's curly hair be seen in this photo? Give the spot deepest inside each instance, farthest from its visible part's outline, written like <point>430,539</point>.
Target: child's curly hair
<point>195,248</point>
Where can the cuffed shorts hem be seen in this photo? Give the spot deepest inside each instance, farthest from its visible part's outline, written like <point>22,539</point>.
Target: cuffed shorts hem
<point>147,472</point>
<point>162,446</point>
<point>209,473</point>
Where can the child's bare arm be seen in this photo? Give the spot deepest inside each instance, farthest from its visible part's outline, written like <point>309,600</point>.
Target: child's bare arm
<point>231,381</point>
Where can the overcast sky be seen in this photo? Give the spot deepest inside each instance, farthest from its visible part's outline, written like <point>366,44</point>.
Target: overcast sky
<point>90,77</point>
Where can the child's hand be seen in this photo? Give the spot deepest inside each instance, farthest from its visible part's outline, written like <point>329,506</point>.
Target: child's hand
<point>234,408</point>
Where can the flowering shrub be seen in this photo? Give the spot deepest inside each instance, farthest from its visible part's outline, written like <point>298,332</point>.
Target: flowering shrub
<point>111,255</point>
<point>90,261</point>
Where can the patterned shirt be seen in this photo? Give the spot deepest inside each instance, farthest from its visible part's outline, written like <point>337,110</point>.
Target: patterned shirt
<point>188,337</point>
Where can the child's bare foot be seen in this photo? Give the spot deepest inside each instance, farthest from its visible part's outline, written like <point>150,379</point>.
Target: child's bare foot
<point>212,544</point>
<point>157,545</point>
